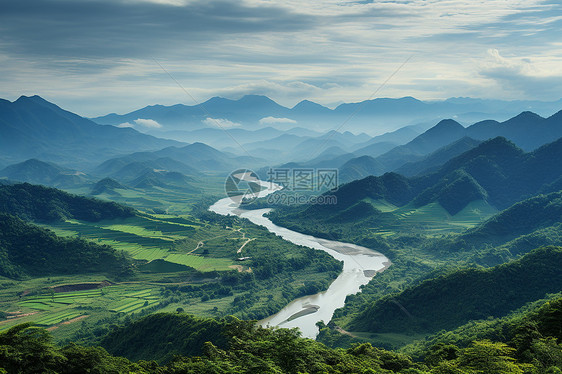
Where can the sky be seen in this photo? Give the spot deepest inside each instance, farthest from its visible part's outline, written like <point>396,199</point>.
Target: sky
<point>95,57</point>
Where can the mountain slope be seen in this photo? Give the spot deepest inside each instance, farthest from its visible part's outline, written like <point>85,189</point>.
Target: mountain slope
<point>161,336</point>
<point>26,250</point>
<point>381,114</point>
<point>40,203</point>
<point>452,300</point>
<point>250,108</point>
<point>32,127</point>
<point>436,159</point>
<point>527,130</point>
<point>191,160</point>
<point>108,186</point>
<point>495,172</point>
<point>47,173</point>
<point>164,179</point>
<point>520,219</point>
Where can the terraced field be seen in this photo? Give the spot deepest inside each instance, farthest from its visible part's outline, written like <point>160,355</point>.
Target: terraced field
<point>49,309</point>
<point>55,318</point>
<point>155,237</point>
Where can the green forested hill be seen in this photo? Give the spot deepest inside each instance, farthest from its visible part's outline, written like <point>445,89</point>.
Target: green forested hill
<point>162,336</point>
<point>38,172</point>
<point>39,203</point>
<point>453,299</point>
<point>26,249</point>
<point>496,172</point>
<point>542,318</point>
<point>524,344</point>
<point>436,159</point>
<point>522,218</point>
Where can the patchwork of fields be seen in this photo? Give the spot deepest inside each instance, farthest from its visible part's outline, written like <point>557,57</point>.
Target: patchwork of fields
<point>159,238</point>
<point>49,308</point>
<point>167,247</point>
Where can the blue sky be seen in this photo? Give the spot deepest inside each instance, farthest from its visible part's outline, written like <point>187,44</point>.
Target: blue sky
<point>99,56</point>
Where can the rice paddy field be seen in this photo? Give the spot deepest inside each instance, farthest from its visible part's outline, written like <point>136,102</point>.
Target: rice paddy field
<point>47,308</point>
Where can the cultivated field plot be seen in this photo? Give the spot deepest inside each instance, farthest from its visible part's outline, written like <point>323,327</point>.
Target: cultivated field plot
<point>134,301</point>
<point>56,300</point>
<point>49,308</point>
<point>433,219</point>
<point>55,318</point>
<point>170,238</point>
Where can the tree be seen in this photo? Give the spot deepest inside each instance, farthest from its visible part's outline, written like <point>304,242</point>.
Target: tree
<point>489,357</point>
<point>28,349</point>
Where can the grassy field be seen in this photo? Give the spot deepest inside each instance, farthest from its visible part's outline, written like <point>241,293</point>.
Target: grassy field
<point>431,219</point>
<point>169,201</point>
<point>151,237</point>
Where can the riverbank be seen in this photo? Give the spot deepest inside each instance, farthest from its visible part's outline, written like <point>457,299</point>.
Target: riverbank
<point>360,264</point>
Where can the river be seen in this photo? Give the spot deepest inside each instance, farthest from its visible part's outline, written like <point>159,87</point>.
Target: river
<point>360,264</point>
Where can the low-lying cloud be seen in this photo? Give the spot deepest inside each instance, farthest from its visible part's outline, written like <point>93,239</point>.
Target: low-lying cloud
<point>273,120</point>
<point>148,123</point>
<point>221,123</point>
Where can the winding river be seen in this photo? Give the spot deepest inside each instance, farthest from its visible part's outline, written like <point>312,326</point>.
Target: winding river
<point>360,264</point>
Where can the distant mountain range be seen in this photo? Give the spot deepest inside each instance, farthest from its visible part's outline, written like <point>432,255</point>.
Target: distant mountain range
<point>495,171</point>
<point>527,130</point>
<point>373,116</point>
<point>142,170</point>
<point>32,127</point>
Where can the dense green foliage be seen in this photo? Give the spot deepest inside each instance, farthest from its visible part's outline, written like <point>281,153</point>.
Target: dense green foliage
<point>453,299</point>
<point>39,203</point>
<point>26,249</point>
<point>162,336</point>
<point>538,319</point>
<point>418,257</point>
<point>530,344</point>
<point>522,218</point>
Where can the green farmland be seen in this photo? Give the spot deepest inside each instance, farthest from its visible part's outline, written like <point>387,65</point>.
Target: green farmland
<point>151,238</point>
<point>179,262</point>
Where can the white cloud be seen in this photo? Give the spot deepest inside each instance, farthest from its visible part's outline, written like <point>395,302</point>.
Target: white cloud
<point>220,123</point>
<point>523,76</point>
<point>150,123</point>
<point>125,125</point>
<point>269,120</point>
